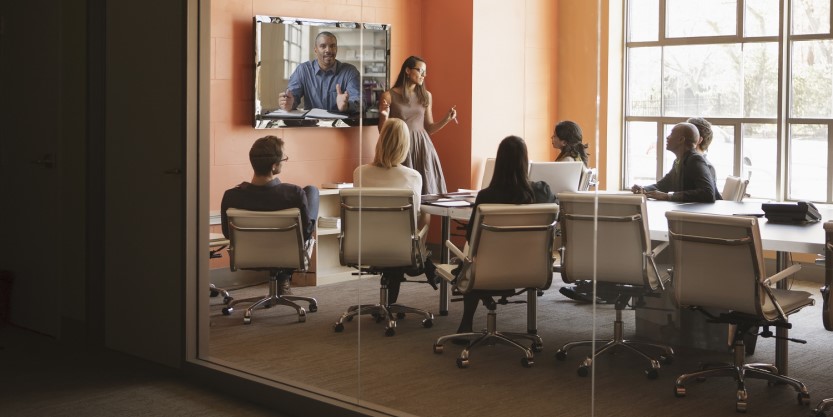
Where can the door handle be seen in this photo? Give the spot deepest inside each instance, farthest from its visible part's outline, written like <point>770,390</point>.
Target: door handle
<point>48,161</point>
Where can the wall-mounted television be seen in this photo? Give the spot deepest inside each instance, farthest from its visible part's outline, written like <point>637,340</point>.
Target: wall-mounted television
<point>282,44</point>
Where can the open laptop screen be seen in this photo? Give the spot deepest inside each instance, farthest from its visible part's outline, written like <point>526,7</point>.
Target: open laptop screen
<point>561,176</point>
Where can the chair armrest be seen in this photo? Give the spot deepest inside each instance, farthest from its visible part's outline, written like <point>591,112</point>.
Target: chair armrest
<point>657,250</point>
<point>453,248</point>
<point>783,274</point>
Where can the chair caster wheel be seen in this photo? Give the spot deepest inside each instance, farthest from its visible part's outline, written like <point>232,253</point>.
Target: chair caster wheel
<point>390,331</point>
<point>247,320</point>
<point>527,363</point>
<point>302,316</point>
<point>313,308</point>
<point>536,347</point>
<point>666,359</point>
<point>438,348</point>
<point>338,327</point>
<point>651,373</point>
<point>803,398</point>
<point>400,316</point>
<point>679,391</point>
<point>427,323</point>
<point>462,363</point>
<point>213,293</point>
<point>583,371</point>
<point>560,355</point>
<point>227,311</point>
<point>740,406</point>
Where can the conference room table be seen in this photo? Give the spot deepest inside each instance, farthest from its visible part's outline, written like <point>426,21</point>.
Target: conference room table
<point>779,237</point>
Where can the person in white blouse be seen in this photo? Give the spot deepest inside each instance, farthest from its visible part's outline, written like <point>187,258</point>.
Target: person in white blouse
<point>387,170</point>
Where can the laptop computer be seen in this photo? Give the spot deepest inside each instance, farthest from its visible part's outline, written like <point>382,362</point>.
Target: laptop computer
<point>561,176</point>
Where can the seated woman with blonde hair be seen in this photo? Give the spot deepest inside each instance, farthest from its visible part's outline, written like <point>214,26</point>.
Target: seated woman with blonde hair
<point>387,170</point>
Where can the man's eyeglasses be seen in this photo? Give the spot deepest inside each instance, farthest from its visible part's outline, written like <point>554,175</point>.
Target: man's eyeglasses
<point>421,71</point>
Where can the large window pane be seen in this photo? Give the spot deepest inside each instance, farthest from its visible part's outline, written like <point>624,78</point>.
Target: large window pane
<point>760,79</point>
<point>760,151</point>
<point>808,163</point>
<point>643,20</point>
<point>810,16</point>
<point>641,153</point>
<point>701,18</point>
<point>644,88</point>
<point>702,80</point>
<point>812,79</point>
<point>721,153</point>
<point>761,18</point>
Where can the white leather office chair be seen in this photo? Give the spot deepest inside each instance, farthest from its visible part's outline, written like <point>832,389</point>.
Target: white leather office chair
<point>488,171</point>
<point>734,189</point>
<point>719,265</point>
<point>379,234</point>
<point>510,248</point>
<point>624,267</point>
<point>827,309</point>
<point>589,179</point>
<point>270,241</point>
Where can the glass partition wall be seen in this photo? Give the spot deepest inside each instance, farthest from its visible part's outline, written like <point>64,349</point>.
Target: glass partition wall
<point>360,364</point>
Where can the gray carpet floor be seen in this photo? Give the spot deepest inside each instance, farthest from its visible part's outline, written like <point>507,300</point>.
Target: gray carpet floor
<point>403,373</point>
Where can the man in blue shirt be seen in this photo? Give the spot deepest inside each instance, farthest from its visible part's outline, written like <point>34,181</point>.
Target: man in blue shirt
<point>325,82</point>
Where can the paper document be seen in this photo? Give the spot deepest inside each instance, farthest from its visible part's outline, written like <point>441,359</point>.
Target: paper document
<point>450,203</point>
<point>324,114</point>
<point>292,114</point>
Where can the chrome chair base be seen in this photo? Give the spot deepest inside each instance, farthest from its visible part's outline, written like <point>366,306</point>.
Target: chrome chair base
<point>620,343</point>
<point>489,336</point>
<point>390,313</point>
<point>740,371</point>
<point>273,299</point>
<point>823,406</point>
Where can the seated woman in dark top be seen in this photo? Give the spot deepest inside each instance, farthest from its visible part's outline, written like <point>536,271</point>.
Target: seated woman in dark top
<point>510,185</point>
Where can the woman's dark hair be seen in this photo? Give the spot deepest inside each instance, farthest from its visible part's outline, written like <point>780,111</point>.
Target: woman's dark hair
<point>570,132</point>
<point>511,166</point>
<point>403,81</point>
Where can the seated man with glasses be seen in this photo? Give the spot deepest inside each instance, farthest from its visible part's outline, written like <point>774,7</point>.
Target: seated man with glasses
<point>265,192</point>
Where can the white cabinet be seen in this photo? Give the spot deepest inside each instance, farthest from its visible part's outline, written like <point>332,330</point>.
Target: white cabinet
<point>326,264</point>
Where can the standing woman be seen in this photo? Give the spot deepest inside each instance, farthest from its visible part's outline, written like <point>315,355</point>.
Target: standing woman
<point>410,101</point>
<point>567,139</point>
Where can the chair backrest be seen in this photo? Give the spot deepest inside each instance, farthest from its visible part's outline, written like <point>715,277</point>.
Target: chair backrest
<point>718,262</point>
<point>510,247</point>
<point>734,189</point>
<point>378,228</point>
<point>561,176</point>
<point>488,171</point>
<point>616,227</point>
<point>266,239</point>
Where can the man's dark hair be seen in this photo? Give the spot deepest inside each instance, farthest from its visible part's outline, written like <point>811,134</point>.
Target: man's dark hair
<point>265,153</point>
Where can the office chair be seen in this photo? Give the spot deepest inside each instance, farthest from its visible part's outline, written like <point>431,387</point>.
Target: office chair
<point>827,309</point>
<point>270,241</point>
<point>510,248</point>
<point>216,244</point>
<point>734,189</point>
<point>719,265</point>
<point>625,269</point>
<point>378,236</point>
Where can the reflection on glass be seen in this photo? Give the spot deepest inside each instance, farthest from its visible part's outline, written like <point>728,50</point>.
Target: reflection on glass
<point>812,83</point>
<point>808,162</point>
<point>810,16</point>
<point>761,148</point>
<point>761,18</point>
<point>644,75</point>
<point>702,79</point>
<point>760,78</point>
<point>701,18</point>
<point>641,163</point>
<point>643,20</point>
